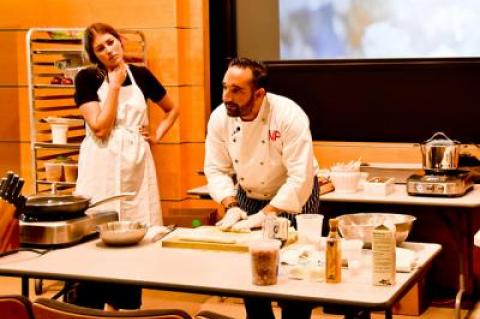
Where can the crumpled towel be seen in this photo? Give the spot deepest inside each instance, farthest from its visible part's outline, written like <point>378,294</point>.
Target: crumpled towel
<point>156,232</point>
<point>406,259</point>
<point>476,239</point>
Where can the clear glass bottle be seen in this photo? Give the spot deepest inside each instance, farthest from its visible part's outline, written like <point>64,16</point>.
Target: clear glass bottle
<point>333,254</point>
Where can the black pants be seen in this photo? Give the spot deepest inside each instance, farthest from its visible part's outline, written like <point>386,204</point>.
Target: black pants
<point>261,308</point>
<point>96,295</point>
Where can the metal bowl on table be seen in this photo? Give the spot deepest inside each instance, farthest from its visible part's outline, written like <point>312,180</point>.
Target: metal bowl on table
<point>361,225</point>
<point>122,233</point>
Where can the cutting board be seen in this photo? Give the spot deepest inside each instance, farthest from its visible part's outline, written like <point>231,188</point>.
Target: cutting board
<point>241,243</point>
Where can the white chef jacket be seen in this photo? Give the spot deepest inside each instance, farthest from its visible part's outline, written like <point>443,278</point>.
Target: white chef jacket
<point>272,156</point>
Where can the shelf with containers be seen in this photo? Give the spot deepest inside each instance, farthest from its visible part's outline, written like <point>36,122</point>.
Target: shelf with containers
<point>54,57</point>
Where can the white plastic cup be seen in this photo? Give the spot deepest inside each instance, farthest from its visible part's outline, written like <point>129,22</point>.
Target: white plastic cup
<point>265,258</point>
<point>345,182</point>
<point>59,133</point>
<point>309,227</point>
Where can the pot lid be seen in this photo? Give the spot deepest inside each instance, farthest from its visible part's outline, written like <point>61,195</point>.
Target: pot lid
<point>440,139</point>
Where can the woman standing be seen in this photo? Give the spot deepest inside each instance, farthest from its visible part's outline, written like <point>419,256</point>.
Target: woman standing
<point>115,155</point>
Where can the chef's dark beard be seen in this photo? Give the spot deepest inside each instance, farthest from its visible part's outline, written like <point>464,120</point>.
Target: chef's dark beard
<point>235,110</point>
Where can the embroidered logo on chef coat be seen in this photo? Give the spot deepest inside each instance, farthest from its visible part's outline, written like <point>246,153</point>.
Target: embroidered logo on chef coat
<point>273,135</point>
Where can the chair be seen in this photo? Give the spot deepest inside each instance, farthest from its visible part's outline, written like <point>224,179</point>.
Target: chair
<point>44,308</point>
<point>210,315</point>
<point>15,307</point>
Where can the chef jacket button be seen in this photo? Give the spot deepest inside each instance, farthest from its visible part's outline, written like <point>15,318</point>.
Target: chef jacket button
<point>265,195</point>
<point>262,183</point>
<point>236,161</point>
<point>234,140</point>
<point>261,163</point>
<point>263,141</point>
<point>249,190</point>
<point>242,179</point>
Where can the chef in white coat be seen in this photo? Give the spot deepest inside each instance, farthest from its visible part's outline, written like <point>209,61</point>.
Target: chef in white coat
<point>115,155</point>
<point>264,141</point>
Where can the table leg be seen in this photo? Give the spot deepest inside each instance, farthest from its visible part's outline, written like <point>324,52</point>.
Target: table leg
<point>25,287</point>
<point>458,298</point>
<point>388,314</point>
<point>461,238</point>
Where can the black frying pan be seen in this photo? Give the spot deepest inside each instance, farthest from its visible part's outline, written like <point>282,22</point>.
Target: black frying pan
<point>64,204</point>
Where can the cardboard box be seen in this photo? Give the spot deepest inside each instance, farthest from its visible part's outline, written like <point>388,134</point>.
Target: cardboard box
<point>191,217</point>
<point>415,302</point>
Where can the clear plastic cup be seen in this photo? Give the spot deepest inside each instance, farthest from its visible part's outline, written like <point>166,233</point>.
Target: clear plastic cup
<point>53,171</point>
<point>345,182</point>
<point>59,133</point>
<point>309,228</point>
<point>265,257</point>
<point>70,171</point>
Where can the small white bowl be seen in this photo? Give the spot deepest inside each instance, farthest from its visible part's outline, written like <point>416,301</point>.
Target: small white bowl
<point>379,186</point>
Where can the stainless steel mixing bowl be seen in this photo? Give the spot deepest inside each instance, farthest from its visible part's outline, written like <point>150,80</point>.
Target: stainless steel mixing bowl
<point>361,225</point>
<point>122,233</point>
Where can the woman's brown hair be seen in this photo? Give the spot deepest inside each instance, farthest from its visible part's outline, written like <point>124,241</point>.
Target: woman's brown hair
<point>89,36</point>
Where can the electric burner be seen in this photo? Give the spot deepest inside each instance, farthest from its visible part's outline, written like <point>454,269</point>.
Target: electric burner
<point>445,183</point>
<point>62,231</point>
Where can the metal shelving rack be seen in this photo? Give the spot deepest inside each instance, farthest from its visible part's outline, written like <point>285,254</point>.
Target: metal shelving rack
<point>58,52</point>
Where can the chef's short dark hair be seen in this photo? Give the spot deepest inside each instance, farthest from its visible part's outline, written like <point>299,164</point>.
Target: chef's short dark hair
<point>89,37</point>
<point>259,70</point>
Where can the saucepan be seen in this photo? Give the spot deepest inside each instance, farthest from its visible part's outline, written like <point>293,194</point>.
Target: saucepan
<point>65,204</point>
<point>440,153</point>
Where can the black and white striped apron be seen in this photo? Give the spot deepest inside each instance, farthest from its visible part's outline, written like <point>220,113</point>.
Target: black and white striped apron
<point>252,206</point>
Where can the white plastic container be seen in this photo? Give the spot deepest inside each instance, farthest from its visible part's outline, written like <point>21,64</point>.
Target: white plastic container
<point>379,186</point>
<point>59,133</point>
<point>345,182</point>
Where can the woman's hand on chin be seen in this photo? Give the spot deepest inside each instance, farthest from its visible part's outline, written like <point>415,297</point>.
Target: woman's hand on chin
<point>117,76</point>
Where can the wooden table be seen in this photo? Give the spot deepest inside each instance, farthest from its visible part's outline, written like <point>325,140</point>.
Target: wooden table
<point>149,265</point>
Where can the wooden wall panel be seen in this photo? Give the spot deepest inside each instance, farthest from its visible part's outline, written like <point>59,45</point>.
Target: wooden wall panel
<point>9,114</point>
<point>13,58</point>
<point>189,13</point>
<point>10,153</point>
<point>328,153</point>
<point>79,13</point>
<point>162,54</point>
<point>177,168</point>
<point>191,56</point>
<point>193,118</point>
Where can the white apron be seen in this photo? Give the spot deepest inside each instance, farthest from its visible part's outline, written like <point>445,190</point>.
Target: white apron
<point>123,162</point>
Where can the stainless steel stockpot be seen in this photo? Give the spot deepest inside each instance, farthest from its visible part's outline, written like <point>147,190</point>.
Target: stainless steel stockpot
<point>440,153</point>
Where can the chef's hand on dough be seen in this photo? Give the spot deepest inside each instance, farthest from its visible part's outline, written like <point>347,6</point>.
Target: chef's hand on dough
<point>232,216</point>
<point>253,221</point>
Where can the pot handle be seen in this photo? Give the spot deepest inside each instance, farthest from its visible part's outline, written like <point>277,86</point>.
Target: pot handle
<point>111,198</point>
<point>444,137</point>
